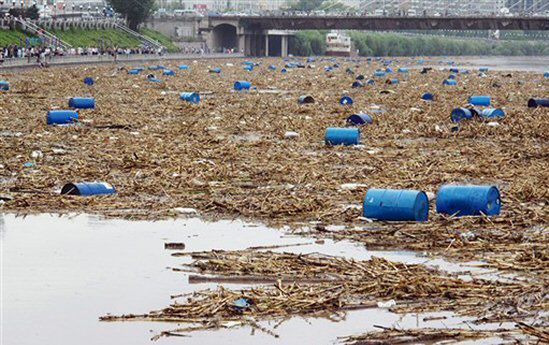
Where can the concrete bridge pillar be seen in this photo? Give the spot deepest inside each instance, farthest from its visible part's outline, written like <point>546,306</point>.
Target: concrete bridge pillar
<point>267,44</point>
<point>284,48</point>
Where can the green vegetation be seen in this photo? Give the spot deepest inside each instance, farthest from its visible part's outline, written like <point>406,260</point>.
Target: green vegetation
<point>391,44</point>
<point>159,37</point>
<point>135,11</point>
<point>305,5</point>
<point>310,42</point>
<point>97,38</point>
<point>9,37</point>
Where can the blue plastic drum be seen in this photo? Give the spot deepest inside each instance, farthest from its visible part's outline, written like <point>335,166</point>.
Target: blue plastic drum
<point>168,72</point>
<point>402,70</point>
<point>357,84</point>
<point>468,200</point>
<point>183,67</point>
<point>480,100</point>
<point>427,96</point>
<point>538,102</point>
<point>191,97</point>
<point>360,119</point>
<point>396,205</point>
<point>82,103</point>
<point>342,136</point>
<point>492,113</point>
<point>346,100</point>
<point>61,117</point>
<point>449,82</point>
<point>89,81</point>
<point>4,85</point>
<point>379,74</point>
<point>134,72</point>
<point>215,70</point>
<point>88,189</point>
<point>242,85</point>
<point>459,114</point>
<point>306,99</point>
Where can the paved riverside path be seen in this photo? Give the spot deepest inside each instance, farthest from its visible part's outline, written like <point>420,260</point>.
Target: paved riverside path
<point>17,63</point>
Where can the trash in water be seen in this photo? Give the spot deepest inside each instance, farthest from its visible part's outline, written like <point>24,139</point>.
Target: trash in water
<point>242,85</point>
<point>386,305</point>
<point>61,117</point>
<point>342,136</point>
<point>479,100</point>
<point>174,246</point>
<point>191,97</point>
<point>538,102</point>
<point>427,96</point>
<point>359,119</point>
<point>291,135</point>
<point>82,103</point>
<point>396,205</point>
<point>87,189</point>
<point>306,99</point>
<point>490,113</point>
<point>466,200</point>
<point>346,100</point>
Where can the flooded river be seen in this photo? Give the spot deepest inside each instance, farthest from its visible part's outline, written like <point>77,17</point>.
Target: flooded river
<point>59,274</point>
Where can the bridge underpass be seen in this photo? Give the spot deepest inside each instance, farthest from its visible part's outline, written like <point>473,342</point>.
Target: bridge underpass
<point>269,35</point>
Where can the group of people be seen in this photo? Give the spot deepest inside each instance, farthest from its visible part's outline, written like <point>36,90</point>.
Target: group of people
<point>41,54</point>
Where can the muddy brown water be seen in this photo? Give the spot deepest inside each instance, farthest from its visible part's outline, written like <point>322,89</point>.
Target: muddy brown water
<point>59,274</point>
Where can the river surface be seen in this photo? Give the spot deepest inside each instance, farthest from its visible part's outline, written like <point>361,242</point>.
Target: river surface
<point>60,274</point>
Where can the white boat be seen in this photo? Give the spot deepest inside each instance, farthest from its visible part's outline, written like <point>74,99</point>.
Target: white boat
<point>338,44</point>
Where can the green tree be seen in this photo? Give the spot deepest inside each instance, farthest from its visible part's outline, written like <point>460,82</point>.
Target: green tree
<point>306,5</point>
<point>135,11</point>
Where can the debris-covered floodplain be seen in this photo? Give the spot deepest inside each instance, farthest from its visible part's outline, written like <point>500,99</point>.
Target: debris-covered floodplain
<point>260,154</point>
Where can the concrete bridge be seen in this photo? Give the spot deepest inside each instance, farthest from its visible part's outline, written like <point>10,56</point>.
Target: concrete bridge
<point>268,35</point>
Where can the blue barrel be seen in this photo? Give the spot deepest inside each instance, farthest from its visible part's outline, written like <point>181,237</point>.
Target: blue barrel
<point>4,85</point>
<point>357,84</point>
<point>156,67</point>
<point>242,85</point>
<point>249,68</point>
<point>191,97</point>
<point>306,99</point>
<point>480,100</point>
<point>283,70</point>
<point>342,136</point>
<point>168,72</point>
<point>492,112</point>
<point>82,103</point>
<point>183,67</point>
<point>538,102</point>
<point>87,189</point>
<point>452,76</point>
<point>483,69</point>
<point>360,119</point>
<point>450,82</point>
<point>272,67</point>
<point>454,70</point>
<point>468,200</point>
<point>61,117</point>
<point>402,70</point>
<point>370,82</point>
<point>89,81</point>
<point>427,96</point>
<point>346,100</point>
<point>392,81</point>
<point>248,63</point>
<point>215,70</point>
<point>388,70</point>
<point>379,74</point>
<point>464,71</point>
<point>396,205</point>
<point>459,114</point>
<point>134,71</point>
<point>360,77</point>
<point>154,80</point>
<point>546,75</point>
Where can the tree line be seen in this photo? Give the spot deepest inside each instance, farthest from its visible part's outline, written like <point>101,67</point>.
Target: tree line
<point>312,42</point>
